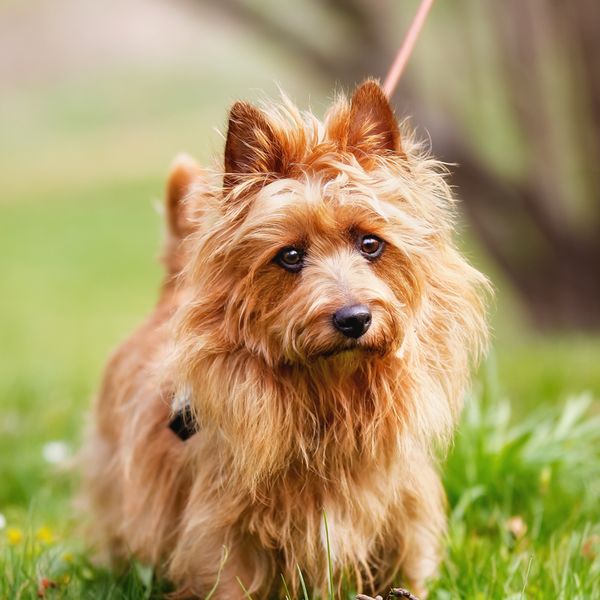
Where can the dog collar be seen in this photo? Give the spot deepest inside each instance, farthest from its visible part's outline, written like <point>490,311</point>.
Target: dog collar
<point>183,423</point>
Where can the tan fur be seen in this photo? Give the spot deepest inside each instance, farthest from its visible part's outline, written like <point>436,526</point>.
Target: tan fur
<point>295,420</point>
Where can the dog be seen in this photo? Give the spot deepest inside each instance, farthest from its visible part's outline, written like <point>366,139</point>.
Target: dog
<point>280,413</point>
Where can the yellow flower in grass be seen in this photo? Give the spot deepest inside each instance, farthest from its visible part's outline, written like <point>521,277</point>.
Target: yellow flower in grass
<point>14,535</point>
<point>44,535</point>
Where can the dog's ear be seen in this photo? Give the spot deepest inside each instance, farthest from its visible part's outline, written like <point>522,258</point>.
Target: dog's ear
<point>252,145</point>
<point>372,127</point>
<point>185,171</point>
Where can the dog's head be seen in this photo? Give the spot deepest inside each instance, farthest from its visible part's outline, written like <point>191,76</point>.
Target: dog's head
<point>330,242</point>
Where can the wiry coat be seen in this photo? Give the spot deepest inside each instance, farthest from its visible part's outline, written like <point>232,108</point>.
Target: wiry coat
<point>294,420</point>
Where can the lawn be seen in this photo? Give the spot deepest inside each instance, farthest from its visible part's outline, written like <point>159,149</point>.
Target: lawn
<point>77,257</point>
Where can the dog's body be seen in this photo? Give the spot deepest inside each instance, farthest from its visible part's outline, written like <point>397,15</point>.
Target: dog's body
<point>320,323</point>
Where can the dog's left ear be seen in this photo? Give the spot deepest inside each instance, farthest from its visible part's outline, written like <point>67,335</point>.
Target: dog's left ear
<point>372,127</point>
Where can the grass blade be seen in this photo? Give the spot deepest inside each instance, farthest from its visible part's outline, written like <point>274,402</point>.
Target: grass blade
<point>302,583</point>
<point>219,572</point>
<point>329,563</point>
<point>246,592</point>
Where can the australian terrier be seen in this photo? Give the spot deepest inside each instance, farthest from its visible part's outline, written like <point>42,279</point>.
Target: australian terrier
<point>281,411</point>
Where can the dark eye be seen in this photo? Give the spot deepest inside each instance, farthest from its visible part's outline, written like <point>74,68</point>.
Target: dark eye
<point>371,246</point>
<point>290,258</point>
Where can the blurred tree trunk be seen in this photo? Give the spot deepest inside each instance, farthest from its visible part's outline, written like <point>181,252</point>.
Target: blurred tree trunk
<point>526,223</point>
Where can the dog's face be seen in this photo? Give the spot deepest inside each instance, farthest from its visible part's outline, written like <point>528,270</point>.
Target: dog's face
<point>312,249</point>
<point>320,273</point>
<point>330,244</point>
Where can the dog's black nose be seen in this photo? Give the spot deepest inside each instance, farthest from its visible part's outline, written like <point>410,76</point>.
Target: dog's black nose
<point>353,321</point>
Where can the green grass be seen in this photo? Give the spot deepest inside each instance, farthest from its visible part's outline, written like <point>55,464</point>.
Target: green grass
<point>524,513</point>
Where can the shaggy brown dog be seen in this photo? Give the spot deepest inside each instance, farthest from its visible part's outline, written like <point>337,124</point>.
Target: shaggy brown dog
<point>318,323</point>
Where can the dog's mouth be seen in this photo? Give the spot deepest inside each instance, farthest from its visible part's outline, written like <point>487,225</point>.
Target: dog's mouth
<point>352,348</point>
<point>339,351</point>
<point>343,356</point>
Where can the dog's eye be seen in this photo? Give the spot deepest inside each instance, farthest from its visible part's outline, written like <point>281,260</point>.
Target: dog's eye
<point>290,258</point>
<point>371,246</point>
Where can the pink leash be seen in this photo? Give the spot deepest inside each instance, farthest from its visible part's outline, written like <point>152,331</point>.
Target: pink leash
<point>397,68</point>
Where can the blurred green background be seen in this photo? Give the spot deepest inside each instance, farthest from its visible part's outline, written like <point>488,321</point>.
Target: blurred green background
<point>97,98</point>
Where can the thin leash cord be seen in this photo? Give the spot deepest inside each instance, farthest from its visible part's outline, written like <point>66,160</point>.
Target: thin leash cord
<point>408,45</point>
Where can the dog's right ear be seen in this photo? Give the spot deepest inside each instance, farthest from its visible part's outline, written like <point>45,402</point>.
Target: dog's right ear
<point>252,146</point>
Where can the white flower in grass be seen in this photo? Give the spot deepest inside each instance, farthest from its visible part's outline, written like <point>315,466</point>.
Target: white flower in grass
<point>55,452</point>
<point>2,521</point>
